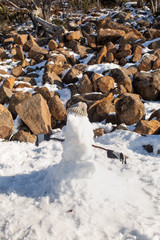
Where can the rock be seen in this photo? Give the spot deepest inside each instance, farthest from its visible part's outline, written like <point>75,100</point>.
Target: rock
<point>148,148</point>
<point>52,45</point>
<point>111,48</point>
<point>9,82</point>
<point>129,108</point>
<point>72,76</point>
<point>147,85</point>
<point>56,68</point>
<point>105,35</point>
<point>23,85</point>
<point>155,115</point>
<point>44,91</point>
<point>104,108</point>
<point>6,123</point>
<point>94,78</point>
<point>57,108</point>
<point>3,72</point>
<point>30,80</point>
<point>105,84</point>
<point>154,45</point>
<point>15,99</point>
<point>76,35</point>
<point>20,39</point>
<point>58,59</point>
<point>29,44</point>
<point>34,112</point>
<point>19,52</point>
<point>37,53</point>
<point>124,47</point>
<point>52,78</point>
<point>109,57</point>
<point>137,54</point>
<point>23,136</point>
<point>131,37</point>
<point>148,127</point>
<point>98,132</point>
<point>156,64</point>
<point>2,53</point>
<point>152,33</point>
<point>17,71</point>
<point>101,55</point>
<point>145,64</point>
<point>5,94</point>
<point>144,22</point>
<point>82,50</point>
<point>120,76</point>
<point>85,85</point>
<point>123,54</point>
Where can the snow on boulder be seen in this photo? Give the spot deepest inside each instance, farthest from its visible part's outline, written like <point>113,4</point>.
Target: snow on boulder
<point>35,113</point>
<point>6,123</point>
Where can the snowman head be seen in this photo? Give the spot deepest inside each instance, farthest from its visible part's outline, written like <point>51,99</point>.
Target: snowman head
<point>79,108</point>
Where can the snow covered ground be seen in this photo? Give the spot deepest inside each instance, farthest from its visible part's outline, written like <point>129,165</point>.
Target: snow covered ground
<point>41,198</point>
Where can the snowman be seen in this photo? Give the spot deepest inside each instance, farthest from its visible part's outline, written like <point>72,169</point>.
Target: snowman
<point>78,134</point>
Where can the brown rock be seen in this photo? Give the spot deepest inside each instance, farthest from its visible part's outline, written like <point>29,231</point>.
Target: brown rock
<point>2,53</point>
<point>23,136</point>
<point>76,35</point>
<point>94,78</point>
<point>123,54</point>
<point>16,99</point>
<point>145,64</point>
<point>101,55</point>
<point>8,41</point>
<point>85,85</point>
<point>5,94</point>
<point>28,45</point>
<point>156,64</point>
<point>109,57</point>
<point>109,35</point>
<point>3,72</point>
<point>19,52</point>
<point>6,123</point>
<point>155,115</point>
<point>52,45</point>
<point>129,109</point>
<point>152,33</point>
<point>30,80</point>
<point>56,68</point>
<point>37,53</point>
<point>44,91</point>
<point>58,59</point>
<point>120,76</point>
<point>82,50</point>
<point>9,82</point>
<point>34,112</point>
<point>105,84</point>
<point>23,85</point>
<point>124,47</point>
<point>57,108</point>
<point>154,45</point>
<point>17,71</point>
<point>137,54</point>
<point>111,48</point>
<point>104,108</point>
<point>131,37</point>
<point>52,78</point>
<point>148,127</point>
<point>147,85</point>
<point>20,39</point>
<point>98,132</point>
<point>72,76</point>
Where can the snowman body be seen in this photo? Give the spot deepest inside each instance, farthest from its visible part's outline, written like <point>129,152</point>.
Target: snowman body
<point>78,142</point>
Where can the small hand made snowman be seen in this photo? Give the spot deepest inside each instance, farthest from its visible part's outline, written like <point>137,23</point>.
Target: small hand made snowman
<point>78,134</point>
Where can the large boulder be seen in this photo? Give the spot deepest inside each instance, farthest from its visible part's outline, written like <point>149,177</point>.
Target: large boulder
<point>148,127</point>
<point>105,35</point>
<point>37,53</point>
<point>105,84</point>
<point>15,99</point>
<point>35,113</point>
<point>52,78</point>
<point>147,85</point>
<point>5,94</point>
<point>23,136</point>
<point>6,123</point>
<point>121,77</point>
<point>57,108</point>
<point>129,109</point>
<point>20,39</point>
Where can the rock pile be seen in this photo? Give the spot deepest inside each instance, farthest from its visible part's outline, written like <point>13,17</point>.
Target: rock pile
<point>106,62</point>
